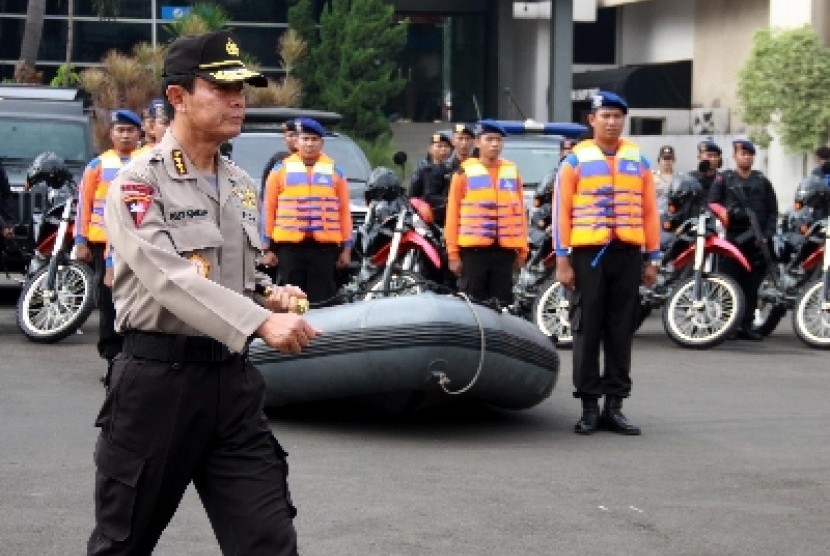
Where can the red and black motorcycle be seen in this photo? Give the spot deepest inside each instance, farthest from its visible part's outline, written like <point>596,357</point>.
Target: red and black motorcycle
<point>58,293</point>
<point>400,247</point>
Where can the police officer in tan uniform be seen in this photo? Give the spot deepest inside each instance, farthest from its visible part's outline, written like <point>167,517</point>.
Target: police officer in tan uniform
<point>185,403</point>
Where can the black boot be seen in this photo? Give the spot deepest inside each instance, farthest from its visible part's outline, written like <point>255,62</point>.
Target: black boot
<point>589,421</point>
<point>612,418</point>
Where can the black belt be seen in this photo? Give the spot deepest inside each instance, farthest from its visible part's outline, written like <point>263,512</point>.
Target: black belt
<point>176,348</point>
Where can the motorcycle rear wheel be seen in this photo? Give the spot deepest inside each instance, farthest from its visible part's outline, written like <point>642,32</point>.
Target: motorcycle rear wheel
<point>47,321</point>
<point>810,322</point>
<point>401,282</point>
<point>551,313</point>
<point>707,323</point>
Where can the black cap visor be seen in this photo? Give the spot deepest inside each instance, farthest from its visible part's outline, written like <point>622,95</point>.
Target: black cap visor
<point>232,73</point>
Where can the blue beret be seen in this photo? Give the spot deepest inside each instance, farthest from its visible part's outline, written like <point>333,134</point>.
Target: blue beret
<point>289,125</point>
<point>604,99</point>
<point>710,146</point>
<point>489,126</point>
<point>466,129</point>
<point>125,116</point>
<point>308,125</point>
<point>156,107</point>
<point>744,144</point>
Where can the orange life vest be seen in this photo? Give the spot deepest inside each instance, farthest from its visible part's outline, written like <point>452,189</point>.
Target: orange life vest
<point>109,163</point>
<point>608,203</point>
<point>489,212</point>
<point>308,205</point>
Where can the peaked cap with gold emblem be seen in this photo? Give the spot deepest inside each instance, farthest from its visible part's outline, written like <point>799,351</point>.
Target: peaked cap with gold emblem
<point>211,56</point>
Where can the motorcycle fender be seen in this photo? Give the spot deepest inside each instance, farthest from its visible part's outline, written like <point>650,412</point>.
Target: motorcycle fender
<point>713,244</point>
<point>814,259</point>
<point>414,240</point>
<point>409,241</point>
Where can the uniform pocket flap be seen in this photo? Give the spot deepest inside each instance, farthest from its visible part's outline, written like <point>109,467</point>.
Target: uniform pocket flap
<point>118,464</point>
<point>196,237</point>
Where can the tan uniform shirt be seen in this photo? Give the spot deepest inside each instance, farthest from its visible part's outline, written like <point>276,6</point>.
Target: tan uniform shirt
<point>184,253</point>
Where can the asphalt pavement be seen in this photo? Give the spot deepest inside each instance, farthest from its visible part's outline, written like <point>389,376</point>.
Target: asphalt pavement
<point>734,460</point>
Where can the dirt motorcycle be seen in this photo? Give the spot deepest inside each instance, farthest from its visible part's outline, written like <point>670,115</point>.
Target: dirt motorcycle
<point>398,245</point>
<point>794,260</point>
<point>537,296</point>
<point>58,293</point>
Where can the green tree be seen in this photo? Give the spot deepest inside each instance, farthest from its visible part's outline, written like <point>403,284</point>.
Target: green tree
<point>782,89</point>
<point>203,17</point>
<point>301,19</point>
<point>352,65</point>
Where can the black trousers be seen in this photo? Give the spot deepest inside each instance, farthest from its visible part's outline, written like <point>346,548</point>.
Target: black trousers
<point>109,341</point>
<point>749,282</point>
<point>487,273</point>
<point>310,266</point>
<point>165,424</point>
<point>603,311</point>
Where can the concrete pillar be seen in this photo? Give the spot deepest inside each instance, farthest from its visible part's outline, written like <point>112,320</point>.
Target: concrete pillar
<point>561,60</point>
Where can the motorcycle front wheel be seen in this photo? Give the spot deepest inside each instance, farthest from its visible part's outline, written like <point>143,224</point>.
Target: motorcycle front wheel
<point>401,282</point>
<point>706,322</point>
<point>550,313</point>
<point>811,322</point>
<point>48,317</point>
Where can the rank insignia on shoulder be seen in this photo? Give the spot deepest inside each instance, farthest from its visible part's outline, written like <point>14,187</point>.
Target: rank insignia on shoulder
<point>247,198</point>
<point>178,161</point>
<point>200,263</point>
<point>137,197</point>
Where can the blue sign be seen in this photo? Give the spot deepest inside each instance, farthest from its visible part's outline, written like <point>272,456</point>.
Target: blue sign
<point>174,12</point>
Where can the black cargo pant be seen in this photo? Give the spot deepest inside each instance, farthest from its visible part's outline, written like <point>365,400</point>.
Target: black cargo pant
<point>109,341</point>
<point>487,273</point>
<point>603,310</point>
<point>167,423</point>
<point>310,266</point>
<point>749,282</point>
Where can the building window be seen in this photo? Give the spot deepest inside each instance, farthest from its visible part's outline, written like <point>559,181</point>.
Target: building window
<point>647,126</point>
<point>596,43</point>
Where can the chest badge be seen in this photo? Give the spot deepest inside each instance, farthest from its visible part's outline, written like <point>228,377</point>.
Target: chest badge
<point>247,198</point>
<point>200,263</point>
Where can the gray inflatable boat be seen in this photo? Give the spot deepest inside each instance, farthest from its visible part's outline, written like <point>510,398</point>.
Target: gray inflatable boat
<point>415,350</point>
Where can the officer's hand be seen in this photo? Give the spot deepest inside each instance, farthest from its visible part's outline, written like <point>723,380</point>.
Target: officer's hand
<point>565,273</point>
<point>649,275</point>
<point>83,252</point>
<point>455,267</point>
<point>109,274</point>
<point>345,258</point>
<point>284,299</point>
<point>269,259</point>
<point>287,332</point>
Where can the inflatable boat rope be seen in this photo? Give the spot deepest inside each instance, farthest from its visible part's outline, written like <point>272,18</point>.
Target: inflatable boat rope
<point>442,377</point>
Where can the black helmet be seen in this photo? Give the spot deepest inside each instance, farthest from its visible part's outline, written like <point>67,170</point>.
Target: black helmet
<point>545,188</point>
<point>48,168</point>
<point>685,189</point>
<point>812,192</point>
<point>383,183</point>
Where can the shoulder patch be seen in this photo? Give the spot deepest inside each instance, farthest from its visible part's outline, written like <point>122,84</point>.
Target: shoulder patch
<point>137,197</point>
<point>178,161</point>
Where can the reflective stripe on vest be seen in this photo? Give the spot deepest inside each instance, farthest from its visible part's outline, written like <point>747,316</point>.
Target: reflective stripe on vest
<point>308,206</point>
<point>491,212</point>
<point>608,204</point>
<point>110,165</point>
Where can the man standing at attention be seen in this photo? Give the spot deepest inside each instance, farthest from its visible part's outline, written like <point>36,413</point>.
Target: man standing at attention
<point>306,216</point>
<point>486,229</point>
<point>185,404</point>
<point>90,235</point>
<point>604,217</point>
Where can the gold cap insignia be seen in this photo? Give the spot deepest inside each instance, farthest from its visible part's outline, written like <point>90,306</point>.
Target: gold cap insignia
<point>232,48</point>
